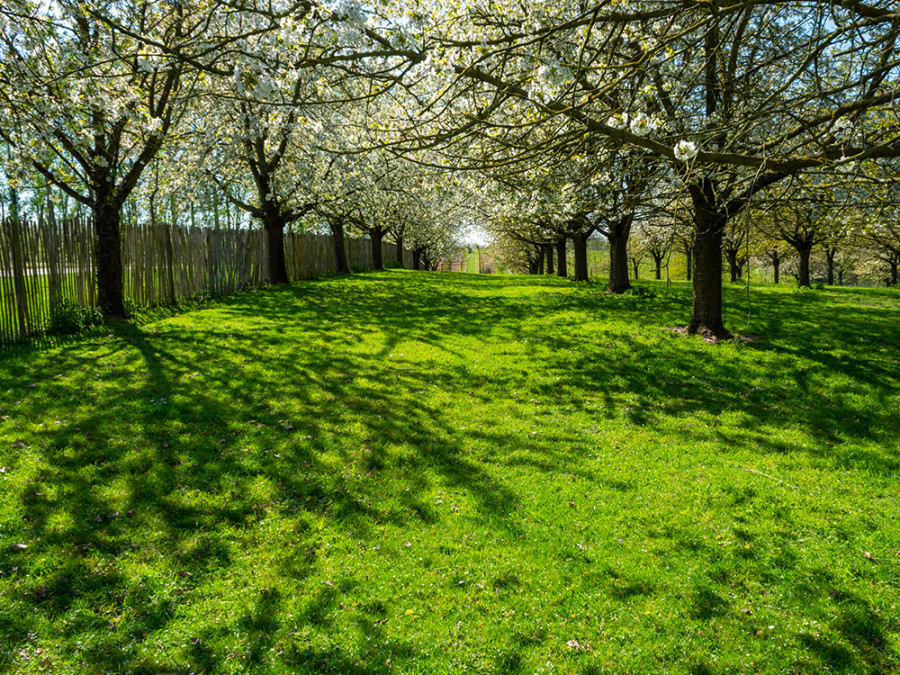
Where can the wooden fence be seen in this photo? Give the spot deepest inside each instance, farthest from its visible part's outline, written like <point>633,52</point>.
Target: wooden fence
<point>43,262</point>
<point>455,264</point>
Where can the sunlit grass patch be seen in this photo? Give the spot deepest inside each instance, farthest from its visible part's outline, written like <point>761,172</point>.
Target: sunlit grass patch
<point>409,472</point>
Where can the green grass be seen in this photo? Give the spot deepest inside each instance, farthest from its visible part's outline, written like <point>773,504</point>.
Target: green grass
<point>438,473</point>
<point>473,262</point>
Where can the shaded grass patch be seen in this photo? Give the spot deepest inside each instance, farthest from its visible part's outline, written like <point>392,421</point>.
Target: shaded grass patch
<point>409,472</point>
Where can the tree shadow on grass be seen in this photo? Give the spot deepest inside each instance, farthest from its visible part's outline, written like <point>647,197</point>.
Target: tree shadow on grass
<point>204,443</point>
<point>178,455</point>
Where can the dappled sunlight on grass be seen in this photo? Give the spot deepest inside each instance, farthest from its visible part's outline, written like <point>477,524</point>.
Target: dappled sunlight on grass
<point>410,472</point>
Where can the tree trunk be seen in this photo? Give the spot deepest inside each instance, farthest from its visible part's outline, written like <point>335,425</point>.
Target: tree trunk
<point>548,254</point>
<point>274,226</point>
<point>55,282</point>
<point>689,255</point>
<point>561,264</point>
<point>803,276</point>
<point>377,236</point>
<point>776,265</point>
<point>894,274</point>
<point>18,264</point>
<point>110,289</point>
<point>398,239</point>
<point>829,266</point>
<point>634,265</point>
<point>540,258</point>
<point>709,229</point>
<point>657,262</point>
<point>341,266</point>
<point>170,265</point>
<point>733,269</point>
<point>618,255</point>
<point>579,243</point>
<point>417,258</point>
<point>840,277</point>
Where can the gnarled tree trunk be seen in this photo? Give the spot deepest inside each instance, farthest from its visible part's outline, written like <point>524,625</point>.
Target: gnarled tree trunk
<point>377,237</point>
<point>579,244</point>
<point>110,277</point>
<point>709,230</point>
<point>617,236</point>
<point>561,264</point>
<point>657,265</point>
<point>548,254</point>
<point>274,227</point>
<point>803,273</point>
<point>775,257</point>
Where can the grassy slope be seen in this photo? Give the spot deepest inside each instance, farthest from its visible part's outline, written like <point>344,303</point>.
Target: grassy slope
<point>473,263</point>
<point>407,472</point>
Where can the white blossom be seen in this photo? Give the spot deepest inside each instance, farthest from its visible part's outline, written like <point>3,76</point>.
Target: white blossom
<point>619,121</point>
<point>685,150</point>
<point>641,125</point>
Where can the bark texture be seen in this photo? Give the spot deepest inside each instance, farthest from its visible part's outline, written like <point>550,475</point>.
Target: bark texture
<point>274,227</point>
<point>618,235</point>
<point>803,273</point>
<point>709,229</point>
<point>562,268</point>
<point>579,243</point>
<point>377,237</point>
<point>110,290</point>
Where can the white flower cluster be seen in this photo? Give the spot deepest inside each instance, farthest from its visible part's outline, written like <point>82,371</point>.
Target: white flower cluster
<point>549,81</point>
<point>350,11</point>
<point>619,121</point>
<point>685,151</point>
<point>641,125</point>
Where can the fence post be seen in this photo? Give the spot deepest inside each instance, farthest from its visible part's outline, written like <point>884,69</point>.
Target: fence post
<point>51,243</point>
<point>18,273</point>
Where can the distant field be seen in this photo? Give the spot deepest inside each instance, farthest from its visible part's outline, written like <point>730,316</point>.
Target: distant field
<point>408,472</point>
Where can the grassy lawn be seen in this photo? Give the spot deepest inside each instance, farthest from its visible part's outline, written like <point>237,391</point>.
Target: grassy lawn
<point>406,472</point>
<point>473,262</point>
